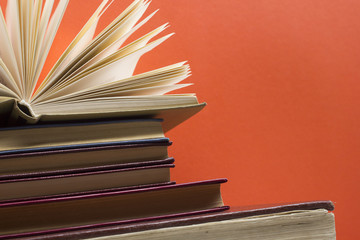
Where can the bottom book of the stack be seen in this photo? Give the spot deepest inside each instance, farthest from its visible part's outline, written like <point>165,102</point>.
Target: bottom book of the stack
<point>310,220</point>
<point>307,220</point>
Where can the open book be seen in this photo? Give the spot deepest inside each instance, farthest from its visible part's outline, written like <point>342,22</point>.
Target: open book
<point>93,78</point>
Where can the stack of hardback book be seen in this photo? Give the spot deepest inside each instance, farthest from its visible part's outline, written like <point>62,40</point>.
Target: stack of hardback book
<point>83,152</point>
<point>59,176</point>
<point>112,178</point>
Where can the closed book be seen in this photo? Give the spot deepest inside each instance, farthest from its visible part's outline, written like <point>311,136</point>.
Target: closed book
<point>72,181</point>
<point>65,134</point>
<point>48,215</point>
<point>302,220</point>
<point>315,224</point>
<point>57,158</point>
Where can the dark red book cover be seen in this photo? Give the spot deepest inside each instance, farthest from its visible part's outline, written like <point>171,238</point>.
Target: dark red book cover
<point>45,215</point>
<point>84,181</point>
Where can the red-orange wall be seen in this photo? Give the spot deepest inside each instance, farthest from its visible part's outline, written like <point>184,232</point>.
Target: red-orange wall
<point>282,83</point>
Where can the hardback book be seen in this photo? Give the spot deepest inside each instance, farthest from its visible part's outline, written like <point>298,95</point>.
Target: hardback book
<point>103,155</point>
<point>76,181</point>
<point>297,224</point>
<point>47,215</point>
<point>78,134</point>
<point>304,220</point>
<point>94,77</point>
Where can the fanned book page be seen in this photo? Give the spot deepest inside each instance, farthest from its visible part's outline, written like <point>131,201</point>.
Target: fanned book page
<point>94,77</point>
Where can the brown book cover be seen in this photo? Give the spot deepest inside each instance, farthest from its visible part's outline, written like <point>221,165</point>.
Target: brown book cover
<point>78,134</point>
<point>61,158</point>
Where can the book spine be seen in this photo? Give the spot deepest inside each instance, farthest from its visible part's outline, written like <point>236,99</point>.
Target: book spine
<point>21,114</point>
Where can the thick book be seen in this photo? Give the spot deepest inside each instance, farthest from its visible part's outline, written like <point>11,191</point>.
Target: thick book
<point>303,220</point>
<point>70,134</point>
<point>48,215</point>
<point>75,181</point>
<point>94,77</point>
<point>317,224</point>
<point>61,158</point>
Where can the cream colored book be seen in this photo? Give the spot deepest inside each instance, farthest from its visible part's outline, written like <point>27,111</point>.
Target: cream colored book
<point>294,225</point>
<point>94,77</point>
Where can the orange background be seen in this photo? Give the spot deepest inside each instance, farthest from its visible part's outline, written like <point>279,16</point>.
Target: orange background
<point>282,83</point>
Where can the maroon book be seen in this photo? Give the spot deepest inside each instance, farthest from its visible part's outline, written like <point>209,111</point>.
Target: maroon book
<point>50,215</point>
<point>84,180</point>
